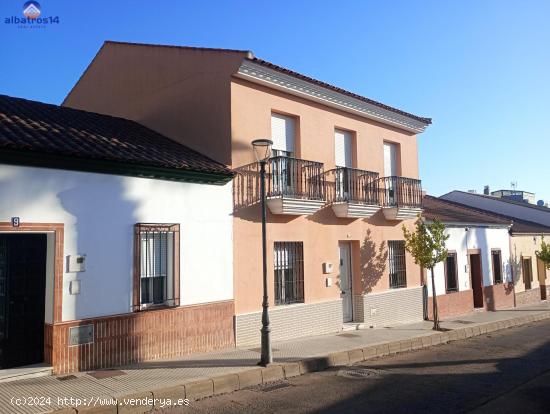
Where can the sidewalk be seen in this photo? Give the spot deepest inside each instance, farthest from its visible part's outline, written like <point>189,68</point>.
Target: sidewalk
<point>165,379</point>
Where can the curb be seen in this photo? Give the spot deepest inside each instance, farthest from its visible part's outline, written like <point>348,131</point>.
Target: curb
<point>248,378</point>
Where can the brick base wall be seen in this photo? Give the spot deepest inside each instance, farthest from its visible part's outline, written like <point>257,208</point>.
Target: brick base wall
<point>498,297</point>
<point>528,297</point>
<point>389,308</point>
<point>291,321</point>
<point>452,304</point>
<point>144,336</point>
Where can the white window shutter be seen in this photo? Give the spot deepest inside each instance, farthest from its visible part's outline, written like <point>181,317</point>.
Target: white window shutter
<point>282,132</point>
<point>390,159</point>
<point>342,149</point>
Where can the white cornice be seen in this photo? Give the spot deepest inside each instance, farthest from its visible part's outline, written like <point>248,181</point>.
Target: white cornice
<point>260,74</point>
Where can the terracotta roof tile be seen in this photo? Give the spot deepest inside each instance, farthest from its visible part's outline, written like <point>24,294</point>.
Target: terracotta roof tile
<point>50,129</point>
<point>447,211</point>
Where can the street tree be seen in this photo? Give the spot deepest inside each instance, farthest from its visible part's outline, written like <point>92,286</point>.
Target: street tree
<point>544,253</point>
<point>427,246</point>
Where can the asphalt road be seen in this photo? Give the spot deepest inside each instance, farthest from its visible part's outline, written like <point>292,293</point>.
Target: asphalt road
<point>502,372</point>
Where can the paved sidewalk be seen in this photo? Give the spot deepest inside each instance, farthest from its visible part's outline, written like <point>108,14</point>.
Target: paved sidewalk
<point>164,378</point>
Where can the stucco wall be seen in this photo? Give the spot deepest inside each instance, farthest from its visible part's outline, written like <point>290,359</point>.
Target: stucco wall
<point>525,246</point>
<point>99,212</point>
<point>251,108</point>
<point>481,238</point>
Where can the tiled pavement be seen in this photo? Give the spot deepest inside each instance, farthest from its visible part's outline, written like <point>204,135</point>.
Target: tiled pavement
<point>49,392</point>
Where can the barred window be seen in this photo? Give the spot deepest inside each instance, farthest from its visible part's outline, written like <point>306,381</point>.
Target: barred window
<point>156,280</point>
<point>451,273</point>
<point>289,272</point>
<point>526,267</point>
<point>497,266</point>
<point>398,271</point>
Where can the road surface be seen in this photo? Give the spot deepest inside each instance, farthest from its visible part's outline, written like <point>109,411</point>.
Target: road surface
<point>502,372</point>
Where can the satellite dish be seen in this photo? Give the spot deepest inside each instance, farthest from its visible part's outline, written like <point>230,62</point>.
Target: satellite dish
<point>540,203</point>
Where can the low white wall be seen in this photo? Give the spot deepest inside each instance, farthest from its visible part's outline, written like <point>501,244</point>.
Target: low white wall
<point>99,212</point>
<point>460,241</point>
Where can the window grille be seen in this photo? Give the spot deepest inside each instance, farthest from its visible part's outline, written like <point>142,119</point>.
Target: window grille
<point>451,274</point>
<point>497,266</point>
<point>289,272</point>
<point>398,271</point>
<point>157,258</point>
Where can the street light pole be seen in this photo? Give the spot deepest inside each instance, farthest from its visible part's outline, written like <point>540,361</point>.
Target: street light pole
<point>267,353</point>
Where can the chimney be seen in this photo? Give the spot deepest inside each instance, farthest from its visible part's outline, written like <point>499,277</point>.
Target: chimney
<point>486,190</point>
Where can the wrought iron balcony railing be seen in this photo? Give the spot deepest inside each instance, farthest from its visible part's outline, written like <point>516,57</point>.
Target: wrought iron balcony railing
<point>400,192</point>
<point>285,177</point>
<point>352,185</point>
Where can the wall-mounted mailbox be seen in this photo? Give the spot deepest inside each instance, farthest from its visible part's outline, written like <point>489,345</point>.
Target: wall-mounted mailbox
<point>76,263</point>
<point>327,268</point>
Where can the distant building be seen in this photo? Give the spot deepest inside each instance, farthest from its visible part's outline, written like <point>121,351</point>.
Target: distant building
<point>515,195</point>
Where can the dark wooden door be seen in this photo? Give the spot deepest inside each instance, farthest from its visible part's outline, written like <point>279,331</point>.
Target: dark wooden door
<point>22,296</point>
<point>477,280</point>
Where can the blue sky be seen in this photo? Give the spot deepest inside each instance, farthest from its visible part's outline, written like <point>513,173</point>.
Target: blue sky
<point>480,69</point>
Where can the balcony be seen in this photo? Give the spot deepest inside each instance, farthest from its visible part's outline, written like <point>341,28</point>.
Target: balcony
<point>352,193</point>
<point>400,197</point>
<point>293,186</point>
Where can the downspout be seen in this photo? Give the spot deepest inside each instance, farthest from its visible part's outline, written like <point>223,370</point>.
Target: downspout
<point>511,259</point>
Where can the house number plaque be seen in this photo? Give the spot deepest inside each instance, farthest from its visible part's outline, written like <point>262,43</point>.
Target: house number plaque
<point>79,335</point>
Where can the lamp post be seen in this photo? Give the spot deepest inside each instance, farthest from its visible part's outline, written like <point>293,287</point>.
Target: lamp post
<point>262,151</point>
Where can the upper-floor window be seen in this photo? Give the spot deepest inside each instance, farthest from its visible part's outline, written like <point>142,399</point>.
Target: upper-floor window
<point>343,150</point>
<point>451,273</point>
<point>157,265</point>
<point>496,260</point>
<point>283,135</point>
<point>390,159</point>
<point>289,272</point>
<point>398,269</point>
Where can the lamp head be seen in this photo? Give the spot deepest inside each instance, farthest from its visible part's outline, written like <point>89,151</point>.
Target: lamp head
<point>262,149</point>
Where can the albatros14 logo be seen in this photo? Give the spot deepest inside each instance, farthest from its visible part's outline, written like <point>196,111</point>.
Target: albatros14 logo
<point>32,17</point>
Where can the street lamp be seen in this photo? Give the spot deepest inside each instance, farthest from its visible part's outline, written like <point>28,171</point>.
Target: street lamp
<point>262,151</point>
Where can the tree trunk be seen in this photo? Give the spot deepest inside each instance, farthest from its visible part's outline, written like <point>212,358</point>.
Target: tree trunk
<point>434,303</point>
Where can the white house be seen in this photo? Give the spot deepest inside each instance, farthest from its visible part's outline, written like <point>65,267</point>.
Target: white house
<point>477,272</point>
<point>115,242</point>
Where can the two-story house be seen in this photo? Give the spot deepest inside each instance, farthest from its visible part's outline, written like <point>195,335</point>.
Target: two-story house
<point>342,180</point>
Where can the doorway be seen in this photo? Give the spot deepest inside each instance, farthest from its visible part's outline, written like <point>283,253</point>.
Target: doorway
<point>22,299</point>
<point>477,279</point>
<point>541,270</point>
<point>346,281</point>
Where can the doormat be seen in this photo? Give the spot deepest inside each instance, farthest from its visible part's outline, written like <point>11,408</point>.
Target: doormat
<point>106,374</point>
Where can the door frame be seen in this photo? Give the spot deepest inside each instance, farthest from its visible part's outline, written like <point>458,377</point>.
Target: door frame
<point>542,275</point>
<point>350,276</point>
<point>471,252</point>
<point>58,230</point>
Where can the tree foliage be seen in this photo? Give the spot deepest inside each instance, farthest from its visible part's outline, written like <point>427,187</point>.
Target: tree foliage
<point>426,243</point>
<point>544,253</point>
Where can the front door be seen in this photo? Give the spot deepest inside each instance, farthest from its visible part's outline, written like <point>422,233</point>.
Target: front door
<point>541,270</point>
<point>345,281</point>
<point>477,280</point>
<point>22,296</point>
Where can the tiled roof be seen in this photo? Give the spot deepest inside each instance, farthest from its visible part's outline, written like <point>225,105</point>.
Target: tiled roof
<point>339,90</point>
<point>41,128</point>
<point>434,208</point>
<point>504,200</point>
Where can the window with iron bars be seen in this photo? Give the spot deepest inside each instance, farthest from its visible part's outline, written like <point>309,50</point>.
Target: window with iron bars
<point>156,282</point>
<point>451,273</point>
<point>497,266</point>
<point>398,271</point>
<point>289,272</point>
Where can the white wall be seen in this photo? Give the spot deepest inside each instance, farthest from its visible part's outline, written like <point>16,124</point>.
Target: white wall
<point>99,212</point>
<point>460,241</point>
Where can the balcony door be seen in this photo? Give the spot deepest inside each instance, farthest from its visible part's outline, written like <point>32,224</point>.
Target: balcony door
<point>283,135</point>
<point>390,170</point>
<point>343,159</point>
